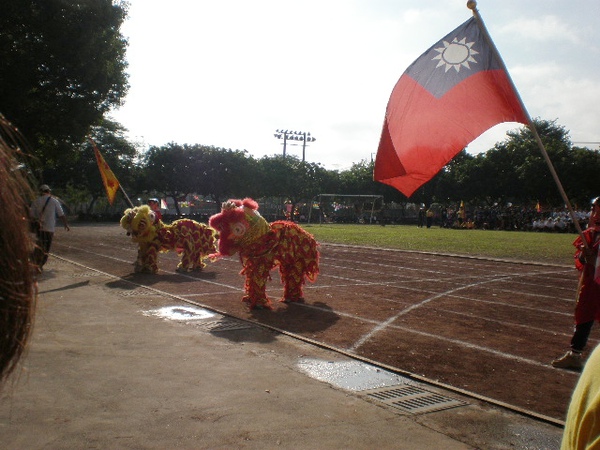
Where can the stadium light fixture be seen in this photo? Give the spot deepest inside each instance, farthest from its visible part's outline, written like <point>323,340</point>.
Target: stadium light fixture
<point>289,135</point>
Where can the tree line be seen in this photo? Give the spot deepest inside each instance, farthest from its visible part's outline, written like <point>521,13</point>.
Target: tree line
<point>514,171</point>
<point>64,69</point>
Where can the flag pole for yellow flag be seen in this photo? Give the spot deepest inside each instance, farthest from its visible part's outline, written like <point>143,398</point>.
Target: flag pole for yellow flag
<point>129,202</point>
<point>472,5</point>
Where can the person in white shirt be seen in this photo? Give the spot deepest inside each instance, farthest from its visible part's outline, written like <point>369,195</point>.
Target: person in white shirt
<point>45,208</point>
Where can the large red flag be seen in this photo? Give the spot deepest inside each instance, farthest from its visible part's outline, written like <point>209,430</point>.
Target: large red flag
<point>111,184</point>
<point>450,95</point>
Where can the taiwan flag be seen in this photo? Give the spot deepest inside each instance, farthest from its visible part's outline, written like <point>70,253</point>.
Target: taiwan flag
<point>448,97</point>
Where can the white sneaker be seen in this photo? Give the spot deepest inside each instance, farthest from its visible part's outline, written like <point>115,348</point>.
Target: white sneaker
<point>569,360</point>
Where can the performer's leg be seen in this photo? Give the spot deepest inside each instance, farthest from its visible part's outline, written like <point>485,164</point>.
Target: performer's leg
<point>580,336</point>
<point>586,310</point>
<point>151,262</point>
<point>257,275</point>
<point>42,248</point>
<point>292,278</point>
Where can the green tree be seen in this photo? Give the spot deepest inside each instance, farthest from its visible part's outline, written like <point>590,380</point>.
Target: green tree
<point>522,174</point>
<point>358,180</point>
<point>225,173</point>
<point>63,67</point>
<point>178,170</point>
<point>170,170</point>
<point>292,178</point>
<point>515,170</point>
<point>82,181</point>
<point>580,175</point>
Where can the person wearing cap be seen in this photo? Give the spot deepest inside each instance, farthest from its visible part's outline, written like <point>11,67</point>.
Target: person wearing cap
<point>587,308</point>
<point>46,208</point>
<point>154,205</point>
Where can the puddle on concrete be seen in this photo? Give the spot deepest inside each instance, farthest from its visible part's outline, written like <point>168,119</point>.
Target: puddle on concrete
<point>181,313</point>
<point>351,375</point>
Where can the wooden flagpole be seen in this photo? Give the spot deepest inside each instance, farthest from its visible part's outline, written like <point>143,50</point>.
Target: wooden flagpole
<point>472,5</point>
<point>129,202</point>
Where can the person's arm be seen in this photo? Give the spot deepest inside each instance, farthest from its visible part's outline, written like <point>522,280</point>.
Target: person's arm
<point>64,220</point>
<point>61,214</point>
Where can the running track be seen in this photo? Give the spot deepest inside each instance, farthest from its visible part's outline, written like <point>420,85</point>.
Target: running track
<point>485,327</point>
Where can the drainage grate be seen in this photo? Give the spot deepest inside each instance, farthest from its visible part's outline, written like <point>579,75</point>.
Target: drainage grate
<point>224,324</point>
<point>139,293</point>
<point>415,400</point>
<point>87,275</point>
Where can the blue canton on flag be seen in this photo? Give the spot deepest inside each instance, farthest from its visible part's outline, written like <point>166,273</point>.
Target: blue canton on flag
<point>457,56</point>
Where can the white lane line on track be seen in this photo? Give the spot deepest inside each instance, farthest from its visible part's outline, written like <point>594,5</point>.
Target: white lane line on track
<point>454,280</point>
<point>459,297</point>
<point>183,274</point>
<point>352,266</point>
<point>480,348</point>
<point>435,257</point>
<point>356,282</point>
<point>449,274</point>
<point>378,325</point>
<point>399,286</point>
<point>388,322</point>
<point>502,322</point>
<point>437,337</point>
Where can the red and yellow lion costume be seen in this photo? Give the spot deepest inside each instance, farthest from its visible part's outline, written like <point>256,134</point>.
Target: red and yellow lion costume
<point>262,247</point>
<point>194,241</point>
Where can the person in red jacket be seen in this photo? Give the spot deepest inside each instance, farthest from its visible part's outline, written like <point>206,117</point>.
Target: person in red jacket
<point>587,309</point>
<point>154,205</point>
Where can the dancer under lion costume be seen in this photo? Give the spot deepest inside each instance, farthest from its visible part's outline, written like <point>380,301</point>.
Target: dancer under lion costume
<point>262,247</point>
<point>194,241</point>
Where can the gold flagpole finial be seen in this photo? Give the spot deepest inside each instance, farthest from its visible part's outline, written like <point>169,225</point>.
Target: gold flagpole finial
<point>472,5</point>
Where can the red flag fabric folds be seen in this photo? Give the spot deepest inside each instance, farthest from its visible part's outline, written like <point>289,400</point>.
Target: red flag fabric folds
<point>448,97</point>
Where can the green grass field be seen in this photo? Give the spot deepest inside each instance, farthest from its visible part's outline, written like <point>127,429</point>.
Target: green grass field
<point>555,248</point>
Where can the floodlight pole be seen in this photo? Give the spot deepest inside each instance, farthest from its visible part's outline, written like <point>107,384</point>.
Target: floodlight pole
<point>294,136</point>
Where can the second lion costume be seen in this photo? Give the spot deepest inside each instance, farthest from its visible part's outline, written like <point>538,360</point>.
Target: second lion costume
<point>262,246</point>
<point>192,240</point>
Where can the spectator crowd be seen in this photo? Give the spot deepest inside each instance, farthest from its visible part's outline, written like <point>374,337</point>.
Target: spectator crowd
<point>512,218</point>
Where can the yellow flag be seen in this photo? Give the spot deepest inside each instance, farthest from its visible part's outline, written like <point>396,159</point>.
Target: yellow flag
<point>111,184</point>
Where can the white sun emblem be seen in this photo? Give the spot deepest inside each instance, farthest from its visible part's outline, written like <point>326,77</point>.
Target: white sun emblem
<point>456,54</point>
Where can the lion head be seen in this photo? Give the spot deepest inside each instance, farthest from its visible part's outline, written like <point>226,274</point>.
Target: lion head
<point>140,224</point>
<point>239,224</point>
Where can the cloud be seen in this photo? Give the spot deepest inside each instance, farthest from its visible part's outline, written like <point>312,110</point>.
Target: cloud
<point>543,29</point>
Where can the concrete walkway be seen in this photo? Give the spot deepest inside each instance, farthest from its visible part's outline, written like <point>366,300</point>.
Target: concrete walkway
<point>106,371</point>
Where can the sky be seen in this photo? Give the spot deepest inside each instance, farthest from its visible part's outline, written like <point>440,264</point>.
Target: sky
<point>229,73</point>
